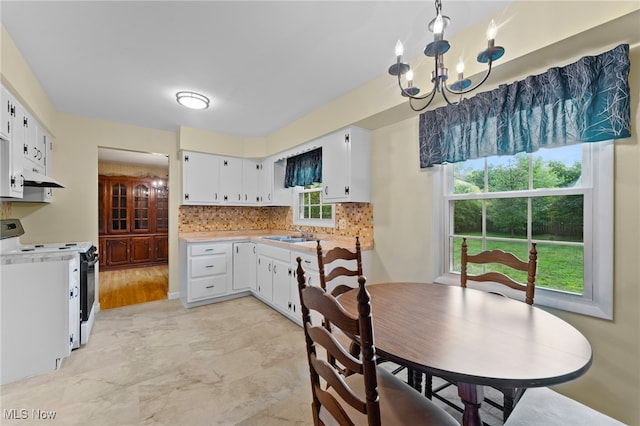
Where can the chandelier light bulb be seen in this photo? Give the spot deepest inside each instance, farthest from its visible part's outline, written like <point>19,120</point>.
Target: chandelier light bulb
<point>399,49</point>
<point>492,30</point>
<point>409,76</point>
<point>460,66</point>
<point>438,25</point>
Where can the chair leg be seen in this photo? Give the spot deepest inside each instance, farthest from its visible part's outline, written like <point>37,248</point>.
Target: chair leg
<point>428,385</point>
<point>417,379</point>
<point>508,395</point>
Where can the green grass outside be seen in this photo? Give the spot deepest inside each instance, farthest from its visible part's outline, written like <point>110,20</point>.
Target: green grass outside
<point>559,267</point>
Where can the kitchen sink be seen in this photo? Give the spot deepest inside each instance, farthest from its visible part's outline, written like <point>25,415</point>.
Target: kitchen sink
<point>289,239</point>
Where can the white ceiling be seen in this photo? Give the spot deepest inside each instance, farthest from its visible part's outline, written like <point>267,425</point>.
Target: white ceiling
<point>263,63</point>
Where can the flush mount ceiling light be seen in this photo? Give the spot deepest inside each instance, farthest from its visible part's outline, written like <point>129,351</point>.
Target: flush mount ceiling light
<point>192,100</point>
<point>436,49</point>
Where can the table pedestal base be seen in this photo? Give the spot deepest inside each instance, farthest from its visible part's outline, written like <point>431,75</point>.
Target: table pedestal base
<point>471,396</point>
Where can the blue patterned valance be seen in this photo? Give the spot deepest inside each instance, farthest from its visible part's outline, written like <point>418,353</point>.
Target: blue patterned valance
<point>587,101</point>
<point>304,169</point>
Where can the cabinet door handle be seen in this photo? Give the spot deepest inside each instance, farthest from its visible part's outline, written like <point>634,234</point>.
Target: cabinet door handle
<point>209,249</point>
<point>209,266</point>
<point>274,269</point>
<point>326,190</point>
<point>210,286</point>
<point>269,268</point>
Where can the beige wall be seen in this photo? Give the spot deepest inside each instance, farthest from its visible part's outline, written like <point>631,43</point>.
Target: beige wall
<point>536,34</point>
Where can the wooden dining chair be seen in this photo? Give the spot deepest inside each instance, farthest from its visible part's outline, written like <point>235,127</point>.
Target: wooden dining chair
<point>367,394</point>
<point>340,256</point>
<point>500,257</point>
<point>334,261</point>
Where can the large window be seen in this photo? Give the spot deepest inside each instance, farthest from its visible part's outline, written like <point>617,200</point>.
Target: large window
<point>309,208</point>
<point>560,198</point>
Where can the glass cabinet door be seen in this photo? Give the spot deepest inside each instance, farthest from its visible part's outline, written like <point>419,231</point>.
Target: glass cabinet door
<point>162,208</point>
<point>141,196</point>
<point>101,222</point>
<point>119,220</point>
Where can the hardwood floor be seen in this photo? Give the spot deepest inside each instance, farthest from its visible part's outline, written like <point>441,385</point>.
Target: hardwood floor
<point>125,287</point>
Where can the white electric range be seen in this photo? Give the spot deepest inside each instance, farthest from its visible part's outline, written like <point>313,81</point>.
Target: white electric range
<point>11,230</point>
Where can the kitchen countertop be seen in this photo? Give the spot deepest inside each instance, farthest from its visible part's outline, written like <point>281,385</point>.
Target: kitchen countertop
<point>14,258</point>
<point>328,241</point>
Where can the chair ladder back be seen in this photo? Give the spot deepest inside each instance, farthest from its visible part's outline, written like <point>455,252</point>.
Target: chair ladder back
<point>338,253</point>
<point>315,298</point>
<point>503,258</point>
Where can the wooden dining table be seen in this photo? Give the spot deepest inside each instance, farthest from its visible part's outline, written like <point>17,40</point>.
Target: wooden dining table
<point>472,337</point>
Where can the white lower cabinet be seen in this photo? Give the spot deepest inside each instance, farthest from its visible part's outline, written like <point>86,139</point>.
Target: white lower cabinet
<point>273,272</point>
<point>244,265</point>
<point>206,271</point>
<point>214,271</point>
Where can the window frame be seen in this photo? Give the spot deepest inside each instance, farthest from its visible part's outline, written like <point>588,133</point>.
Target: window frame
<point>597,187</point>
<point>323,223</point>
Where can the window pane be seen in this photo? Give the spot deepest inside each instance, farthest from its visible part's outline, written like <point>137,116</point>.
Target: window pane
<point>467,217</point>
<point>558,218</point>
<point>508,173</point>
<point>315,212</point>
<point>326,212</point>
<point>558,167</point>
<point>560,267</point>
<point>507,217</point>
<point>468,176</point>
<point>314,197</point>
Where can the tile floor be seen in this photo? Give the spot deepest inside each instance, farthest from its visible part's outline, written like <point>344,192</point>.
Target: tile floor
<point>231,363</point>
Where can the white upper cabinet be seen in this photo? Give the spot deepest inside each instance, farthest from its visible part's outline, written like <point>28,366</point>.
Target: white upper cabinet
<point>11,179</point>
<point>346,166</point>
<point>35,142</point>
<point>250,170</point>
<point>231,180</point>
<point>200,178</point>
<point>265,182</point>
<point>7,113</point>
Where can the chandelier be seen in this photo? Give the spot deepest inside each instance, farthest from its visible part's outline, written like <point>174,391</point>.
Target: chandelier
<point>436,49</point>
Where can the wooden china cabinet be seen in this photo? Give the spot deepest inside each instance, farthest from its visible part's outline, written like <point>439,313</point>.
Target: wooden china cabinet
<point>133,221</point>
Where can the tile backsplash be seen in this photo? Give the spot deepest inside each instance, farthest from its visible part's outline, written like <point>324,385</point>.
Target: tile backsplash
<point>352,219</point>
<point>5,210</point>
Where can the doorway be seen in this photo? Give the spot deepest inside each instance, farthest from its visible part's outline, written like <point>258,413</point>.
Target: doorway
<point>133,203</point>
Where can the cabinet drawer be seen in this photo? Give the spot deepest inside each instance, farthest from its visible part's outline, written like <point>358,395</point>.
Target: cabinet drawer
<point>208,265</point>
<point>203,249</point>
<point>203,288</point>
<point>274,252</point>
<point>309,261</point>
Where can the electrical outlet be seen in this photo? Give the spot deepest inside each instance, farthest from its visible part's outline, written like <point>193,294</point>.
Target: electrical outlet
<point>342,223</point>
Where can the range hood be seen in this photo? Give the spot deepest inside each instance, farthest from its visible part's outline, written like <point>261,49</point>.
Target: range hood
<point>37,180</point>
